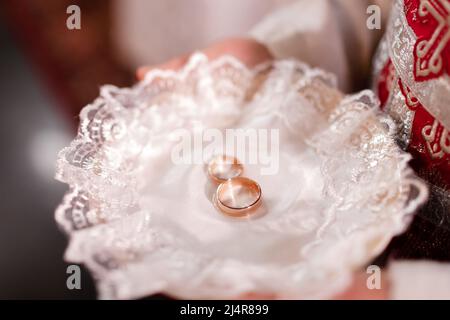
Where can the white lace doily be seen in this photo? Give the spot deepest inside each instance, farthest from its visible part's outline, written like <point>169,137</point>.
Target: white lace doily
<point>143,225</point>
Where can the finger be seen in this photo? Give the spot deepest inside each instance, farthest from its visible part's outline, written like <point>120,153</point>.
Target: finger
<point>257,296</point>
<point>174,64</point>
<point>250,52</point>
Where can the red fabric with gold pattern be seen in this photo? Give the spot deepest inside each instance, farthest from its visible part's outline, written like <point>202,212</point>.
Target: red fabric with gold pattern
<point>429,235</point>
<point>412,76</point>
<point>430,147</point>
<point>385,82</point>
<point>429,140</point>
<point>430,21</point>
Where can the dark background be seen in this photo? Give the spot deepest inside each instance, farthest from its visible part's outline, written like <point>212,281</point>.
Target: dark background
<point>33,128</point>
<point>48,73</point>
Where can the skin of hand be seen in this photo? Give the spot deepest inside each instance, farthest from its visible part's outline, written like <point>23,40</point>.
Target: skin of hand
<point>248,51</point>
<point>253,53</point>
<point>358,289</point>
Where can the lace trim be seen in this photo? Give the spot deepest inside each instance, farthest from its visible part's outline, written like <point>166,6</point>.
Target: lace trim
<point>369,191</point>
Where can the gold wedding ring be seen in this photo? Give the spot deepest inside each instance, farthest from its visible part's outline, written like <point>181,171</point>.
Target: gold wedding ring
<point>223,167</point>
<point>238,197</point>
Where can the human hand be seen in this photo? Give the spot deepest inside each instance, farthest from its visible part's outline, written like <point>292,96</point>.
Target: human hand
<point>358,289</point>
<point>249,51</point>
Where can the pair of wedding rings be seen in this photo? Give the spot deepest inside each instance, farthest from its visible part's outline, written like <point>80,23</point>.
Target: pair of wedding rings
<point>236,196</point>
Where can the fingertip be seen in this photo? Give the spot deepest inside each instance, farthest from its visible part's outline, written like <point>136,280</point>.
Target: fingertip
<point>141,72</point>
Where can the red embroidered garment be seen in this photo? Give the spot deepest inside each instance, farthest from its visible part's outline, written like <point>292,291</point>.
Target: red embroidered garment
<point>429,139</point>
<point>430,21</point>
<point>412,81</point>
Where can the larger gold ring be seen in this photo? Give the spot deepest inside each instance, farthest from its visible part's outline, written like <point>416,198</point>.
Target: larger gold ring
<point>223,167</point>
<point>238,197</point>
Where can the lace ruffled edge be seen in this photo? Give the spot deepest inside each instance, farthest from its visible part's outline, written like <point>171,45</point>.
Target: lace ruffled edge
<point>78,202</point>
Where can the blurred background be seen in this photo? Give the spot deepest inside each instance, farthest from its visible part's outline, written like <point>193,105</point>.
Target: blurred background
<point>47,73</point>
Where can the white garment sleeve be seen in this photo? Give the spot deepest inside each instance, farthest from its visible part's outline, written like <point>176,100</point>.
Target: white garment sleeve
<point>330,34</point>
<point>410,280</point>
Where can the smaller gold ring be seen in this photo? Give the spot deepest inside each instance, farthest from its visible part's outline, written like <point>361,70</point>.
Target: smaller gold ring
<point>223,167</point>
<point>238,197</point>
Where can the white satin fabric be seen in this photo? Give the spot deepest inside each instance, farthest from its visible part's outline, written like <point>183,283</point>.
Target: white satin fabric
<point>145,225</point>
